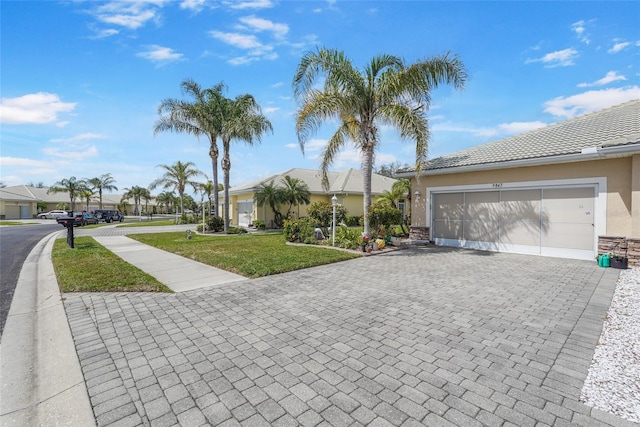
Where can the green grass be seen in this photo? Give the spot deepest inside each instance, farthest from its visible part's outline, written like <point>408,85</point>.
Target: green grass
<point>253,255</point>
<point>5,222</point>
<point>136,223</point>
<point>90,267</point>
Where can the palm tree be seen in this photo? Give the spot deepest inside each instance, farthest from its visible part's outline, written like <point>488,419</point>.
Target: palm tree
<point>101,183</point>
<point>242,120</point>
<point>73,186</point>
<point>136,193</point>
<point>200,117</point>
<point>207,189</point>
<point>166,199</point>
<point>87,193</point>
<point>178,176</point>
<point>296,192</point>
<point>386,91</point>
<point>269,194</point>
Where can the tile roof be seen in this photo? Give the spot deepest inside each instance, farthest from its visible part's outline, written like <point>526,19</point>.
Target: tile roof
<point>615,126</point>
<point>35,194</point>
<point>346,181</point>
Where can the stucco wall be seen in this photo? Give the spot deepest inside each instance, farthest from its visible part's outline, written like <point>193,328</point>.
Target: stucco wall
<point>623,217</point>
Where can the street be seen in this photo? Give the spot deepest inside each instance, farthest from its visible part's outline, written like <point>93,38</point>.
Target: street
<point>15,244</point>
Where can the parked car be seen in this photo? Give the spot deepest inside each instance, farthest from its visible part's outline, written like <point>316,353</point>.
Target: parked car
<point>52,214</point>
<point>108,215</point>
<point>79,219</point>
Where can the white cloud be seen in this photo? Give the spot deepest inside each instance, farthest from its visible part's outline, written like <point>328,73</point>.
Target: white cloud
<point>131,14</point>
<point>559,58</point>
<point>258,25</point>
<point>81,137</point>
<point>250,4</point>
<point>611,76</point>
<point>255,50</point>
<point>500,130</point>
<point>103,34</point>
<point>21,161</point>
<point>571,106</point>
<point>269,110</point>
<point>160,54</point>
<point>39,108</point>
<point>617,47</point>
<point>193,5</point>
<point>72,154</point>
<point>581,32</point>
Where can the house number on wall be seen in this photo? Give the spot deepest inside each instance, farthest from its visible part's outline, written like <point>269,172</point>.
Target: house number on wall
<point>497,185</point>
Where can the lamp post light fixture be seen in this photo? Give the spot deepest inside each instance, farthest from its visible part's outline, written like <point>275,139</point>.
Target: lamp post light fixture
<point>334,202</point>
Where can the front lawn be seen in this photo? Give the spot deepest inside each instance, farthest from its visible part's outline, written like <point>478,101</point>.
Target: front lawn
<point>251,255</point>
<point>90,267</point>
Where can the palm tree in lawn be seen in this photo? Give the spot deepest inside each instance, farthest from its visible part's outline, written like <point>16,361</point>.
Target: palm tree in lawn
<point>386,92</point>
<point>243,120</point>
<point>296,192</point>
<point>207,189</point>
<point>177,177</point>
<point>102,183</point>
<point>200,117</point>
<point>87,194</point>
<point>166,199</point>
<point>271,195</point>
<point>73,186</point>
<point>136,193</point>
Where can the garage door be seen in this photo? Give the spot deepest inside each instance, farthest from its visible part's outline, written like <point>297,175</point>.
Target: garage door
<point>544,221</point>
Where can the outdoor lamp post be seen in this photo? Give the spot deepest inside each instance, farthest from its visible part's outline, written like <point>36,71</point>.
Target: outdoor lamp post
<point>334,202</point>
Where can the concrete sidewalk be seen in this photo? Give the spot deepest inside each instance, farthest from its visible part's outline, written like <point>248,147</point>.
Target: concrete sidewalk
<point>178,273</point>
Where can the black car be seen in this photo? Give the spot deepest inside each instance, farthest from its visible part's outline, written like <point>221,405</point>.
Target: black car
<point>79,219</point>
<point>108,215</point>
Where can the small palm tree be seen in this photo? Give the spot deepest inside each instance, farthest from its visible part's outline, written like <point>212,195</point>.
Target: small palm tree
<point>136,193</point>
<point>269,194</point>
<point>295,192</point>
<point>207,189</point>
<point>73,186</point>
<point>241,120</point>
<point>102,183</point>
<point>166,199</point>
<point>87,194</point>
<point>387,91</point>
<point>178,176</point>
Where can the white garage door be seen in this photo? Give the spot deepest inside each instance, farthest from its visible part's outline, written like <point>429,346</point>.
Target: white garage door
<point>544,221</point>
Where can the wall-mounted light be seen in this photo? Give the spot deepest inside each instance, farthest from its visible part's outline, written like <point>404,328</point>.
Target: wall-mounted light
<point>417,195</point>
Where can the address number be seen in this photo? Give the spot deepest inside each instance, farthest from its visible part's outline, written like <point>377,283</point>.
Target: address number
<point>497,185</point>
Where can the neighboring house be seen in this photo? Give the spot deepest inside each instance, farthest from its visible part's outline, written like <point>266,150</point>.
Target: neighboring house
<point>346,185</point>
<point>571,189</point>
<point>21,202</point>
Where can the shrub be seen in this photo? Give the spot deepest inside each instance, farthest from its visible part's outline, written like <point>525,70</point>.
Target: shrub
<point>300,230</point>
<point>354,221</point>
<point>215,223</point>
<point>383,216</point>
<point>236,230</point>
<point>348,238</point>
<point>322,213</point>
<point>260,225</point>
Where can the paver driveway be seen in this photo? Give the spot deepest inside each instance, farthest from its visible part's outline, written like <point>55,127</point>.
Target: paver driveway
<point>423,336</point>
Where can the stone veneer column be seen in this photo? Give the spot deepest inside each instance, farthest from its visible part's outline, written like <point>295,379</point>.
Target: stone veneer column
<point>635,196</point>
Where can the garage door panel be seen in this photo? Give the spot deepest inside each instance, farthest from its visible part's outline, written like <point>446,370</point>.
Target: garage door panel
<point>570,236</point>
<point>447,229</point>
<point>448,206</point>
<point>482,205</point>
<point>521,205</point>
<point>481,231</point>
<point>520,232</point>
<point>569,205</point>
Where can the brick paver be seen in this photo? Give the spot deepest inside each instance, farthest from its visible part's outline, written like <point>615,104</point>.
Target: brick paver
<point>422,336</point>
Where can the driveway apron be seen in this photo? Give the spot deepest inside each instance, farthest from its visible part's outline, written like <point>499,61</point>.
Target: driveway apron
<point>422,336</point>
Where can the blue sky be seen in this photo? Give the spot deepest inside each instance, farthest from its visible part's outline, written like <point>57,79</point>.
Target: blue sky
<point>81,80</point>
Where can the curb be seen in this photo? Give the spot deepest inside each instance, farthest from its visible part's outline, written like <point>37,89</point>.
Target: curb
<point>42,383</point>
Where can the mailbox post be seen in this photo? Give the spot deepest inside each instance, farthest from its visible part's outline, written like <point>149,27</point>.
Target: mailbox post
<point>68,223</point>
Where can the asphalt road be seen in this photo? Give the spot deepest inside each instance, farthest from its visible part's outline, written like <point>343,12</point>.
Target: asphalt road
<point>15,244</point>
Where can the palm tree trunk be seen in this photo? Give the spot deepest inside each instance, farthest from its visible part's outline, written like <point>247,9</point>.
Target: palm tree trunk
<point>213,153</point>
<point>226,167</point>
<point>367,166</point>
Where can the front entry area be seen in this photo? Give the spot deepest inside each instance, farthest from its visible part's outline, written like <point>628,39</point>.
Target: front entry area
<point>550,221</point>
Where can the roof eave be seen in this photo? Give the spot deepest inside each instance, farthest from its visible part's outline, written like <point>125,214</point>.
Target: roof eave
<point>598,154</point>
